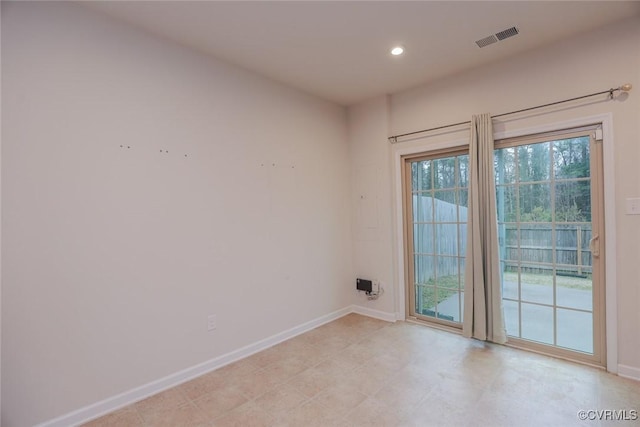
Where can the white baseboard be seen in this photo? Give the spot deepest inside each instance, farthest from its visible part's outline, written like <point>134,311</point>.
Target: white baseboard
<point>377,314</point>
<point>121,400</point>
<point>629,372</point>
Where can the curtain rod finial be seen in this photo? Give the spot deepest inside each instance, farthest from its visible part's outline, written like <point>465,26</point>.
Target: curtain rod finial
<point>626,87</point>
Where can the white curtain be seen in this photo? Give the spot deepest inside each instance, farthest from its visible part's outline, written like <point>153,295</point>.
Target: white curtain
<point>483,313</point>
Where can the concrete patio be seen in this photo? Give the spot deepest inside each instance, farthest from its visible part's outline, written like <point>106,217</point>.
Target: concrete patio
<point>574,328</point>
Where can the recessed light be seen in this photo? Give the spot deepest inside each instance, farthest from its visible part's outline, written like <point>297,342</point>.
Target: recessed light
<point>398,50</point>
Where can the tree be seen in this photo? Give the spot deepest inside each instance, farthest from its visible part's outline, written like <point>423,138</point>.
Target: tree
<point>572,170</point>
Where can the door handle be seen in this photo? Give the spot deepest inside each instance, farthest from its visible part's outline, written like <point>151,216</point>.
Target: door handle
<point>594,246</point>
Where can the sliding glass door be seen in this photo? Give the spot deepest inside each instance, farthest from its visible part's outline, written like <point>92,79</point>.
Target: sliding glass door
<point>550,225</point>
<point>549,207</point>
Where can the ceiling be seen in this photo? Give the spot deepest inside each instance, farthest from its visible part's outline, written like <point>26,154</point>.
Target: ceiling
<point>339,50</point>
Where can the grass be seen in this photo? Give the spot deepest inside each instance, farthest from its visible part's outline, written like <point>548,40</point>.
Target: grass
<point>446,286</point>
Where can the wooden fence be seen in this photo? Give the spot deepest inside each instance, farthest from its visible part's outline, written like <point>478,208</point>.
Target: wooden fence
<point>540,245</point>
<point>443,242</point>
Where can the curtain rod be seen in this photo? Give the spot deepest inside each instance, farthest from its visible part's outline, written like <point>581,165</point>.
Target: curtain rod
<point>624,88</point>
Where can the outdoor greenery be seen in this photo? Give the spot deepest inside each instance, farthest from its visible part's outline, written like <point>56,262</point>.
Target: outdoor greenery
<point>529,176</point>
<point>447,286</point>
<point>524,178</point>
<point>443,178</point>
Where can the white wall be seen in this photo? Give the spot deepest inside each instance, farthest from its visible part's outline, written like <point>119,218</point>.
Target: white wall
<point>370,207</point>
<point>113,257</point>
<point>590,63</point>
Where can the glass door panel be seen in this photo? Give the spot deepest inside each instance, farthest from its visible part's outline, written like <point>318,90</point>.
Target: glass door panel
<point>546,219</point>
<point>437,205</point>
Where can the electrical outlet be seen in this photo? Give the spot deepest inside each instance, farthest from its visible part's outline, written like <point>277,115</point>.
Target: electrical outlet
<point>212,322</point>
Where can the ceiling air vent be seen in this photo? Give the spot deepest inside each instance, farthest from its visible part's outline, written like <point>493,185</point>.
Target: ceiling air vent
<point>510,32</point>
<point>486,41</point>
<point>505,34</point>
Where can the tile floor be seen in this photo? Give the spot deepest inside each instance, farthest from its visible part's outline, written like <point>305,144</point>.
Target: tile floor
<point>358,371</point>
